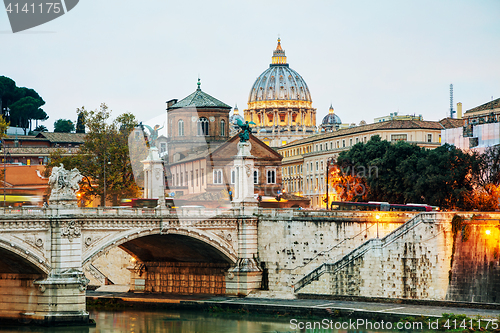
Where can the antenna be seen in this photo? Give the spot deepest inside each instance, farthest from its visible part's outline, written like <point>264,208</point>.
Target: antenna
<point>451,101</point>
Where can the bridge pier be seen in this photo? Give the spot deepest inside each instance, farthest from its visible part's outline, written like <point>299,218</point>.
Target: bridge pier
<point>61,296</point>
<point>246,275</point>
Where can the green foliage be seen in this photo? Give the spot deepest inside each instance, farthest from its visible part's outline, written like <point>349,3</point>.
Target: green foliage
<point>41,128</point>
<point>24,104</point>
<point>445,177</point>
<point>104,155</point>
<point>80,123</point>
<point>63,126</point>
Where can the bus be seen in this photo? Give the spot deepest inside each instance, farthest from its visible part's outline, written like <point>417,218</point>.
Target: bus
<point>144,203</point>
<point>380,206</point>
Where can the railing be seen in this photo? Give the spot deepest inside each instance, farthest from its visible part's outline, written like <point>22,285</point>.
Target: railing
<point>332,268</point>
<point>9,212</point>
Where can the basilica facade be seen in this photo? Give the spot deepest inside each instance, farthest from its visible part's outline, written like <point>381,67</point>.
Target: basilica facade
<point>280,104</point>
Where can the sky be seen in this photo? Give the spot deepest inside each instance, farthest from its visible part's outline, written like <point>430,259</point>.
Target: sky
<point>366,58</point>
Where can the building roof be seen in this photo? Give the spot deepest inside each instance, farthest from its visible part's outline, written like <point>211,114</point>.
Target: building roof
<point>451,123</point>
<point>63,137</point>
<point>385,125</point>
<point>25,176</point>
<point>200,99</point>
<point>494,104</point>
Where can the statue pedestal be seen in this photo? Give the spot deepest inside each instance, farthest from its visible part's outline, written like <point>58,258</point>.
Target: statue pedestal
<point>246,275</point>
<point>154,179</point>
<point>243,198</point>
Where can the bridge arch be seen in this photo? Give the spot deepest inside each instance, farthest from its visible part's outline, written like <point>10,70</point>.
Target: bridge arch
<point>213,243</point>
<point>25,260</point>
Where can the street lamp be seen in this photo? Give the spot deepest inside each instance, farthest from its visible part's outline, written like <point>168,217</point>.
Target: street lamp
<point>104,202</point>
<point>329,161</point>
<point>378,218</point>
<point>4,162</point>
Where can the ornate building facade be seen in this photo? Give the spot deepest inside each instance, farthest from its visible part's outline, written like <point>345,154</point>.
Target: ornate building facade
<point>280,104</point>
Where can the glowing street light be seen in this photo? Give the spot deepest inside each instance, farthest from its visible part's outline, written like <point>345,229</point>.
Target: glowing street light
<point>488,232</point>
<point>377,217</point>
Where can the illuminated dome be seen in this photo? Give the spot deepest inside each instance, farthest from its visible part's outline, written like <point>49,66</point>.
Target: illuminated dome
<point>279,82</point>
<point>280,104</point>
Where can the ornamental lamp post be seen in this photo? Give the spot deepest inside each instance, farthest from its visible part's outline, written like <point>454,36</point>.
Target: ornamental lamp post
<point>329,162</point>
<point>377,217</point>
<point>105,179</point>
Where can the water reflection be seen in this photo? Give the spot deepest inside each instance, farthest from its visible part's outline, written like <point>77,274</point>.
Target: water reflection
<point>184,322</point>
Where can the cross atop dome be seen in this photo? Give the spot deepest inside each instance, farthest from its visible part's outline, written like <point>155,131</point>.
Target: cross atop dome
<point>331,109</point>
<point>279,57</point>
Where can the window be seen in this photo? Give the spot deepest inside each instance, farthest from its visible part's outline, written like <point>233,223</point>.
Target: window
<point>399,137</point>
<point>173,179</point>
<point>321,165</point>
<point>202,177</point>
<point>321,147</point>
<point>357,140</point>
<point>343,143</point>
<point>182,180</point>
<point>429,137</point>
<point>222,128</point>
<point>180,125</point>
<point>350,142</point>
<point>197,177</point>
<point>271,176</point>
<point>364,139</point>
<point>218,176</point>
<point>202,126</point>
<point>338,144</point>
<point>256,176</point>
<point>192,179</point>
<point>163,147</point>
<point>331,145</point>
<point>233,176</point>
<point>317,166</point>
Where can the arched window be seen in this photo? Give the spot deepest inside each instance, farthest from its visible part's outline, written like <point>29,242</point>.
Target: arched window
<point>180,125</point>
<point>222,128</point>
<point>218,176</point>
<point>255,176</point>
<point>203,126</point>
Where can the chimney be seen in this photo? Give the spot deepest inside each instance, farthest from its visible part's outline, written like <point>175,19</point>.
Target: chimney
<point>459,110</point>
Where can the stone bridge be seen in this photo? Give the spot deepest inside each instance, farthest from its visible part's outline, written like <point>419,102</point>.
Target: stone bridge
<point>43,251</point>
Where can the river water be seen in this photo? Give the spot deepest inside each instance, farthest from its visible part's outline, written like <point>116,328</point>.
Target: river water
<point>151,321</point>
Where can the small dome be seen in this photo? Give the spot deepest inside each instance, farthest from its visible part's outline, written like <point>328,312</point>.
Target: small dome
<point>331,119</point>
<point>233,119</point>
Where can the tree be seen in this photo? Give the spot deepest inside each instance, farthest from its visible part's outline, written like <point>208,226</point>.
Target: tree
<point>80,123</point>
<point>104,154</point>
<point>446,176</point>
<point>63,126</point>
<point>41,128</point>
<point>24,104</point>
